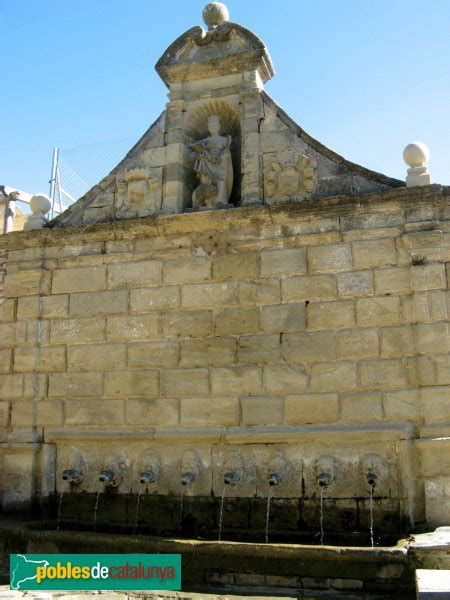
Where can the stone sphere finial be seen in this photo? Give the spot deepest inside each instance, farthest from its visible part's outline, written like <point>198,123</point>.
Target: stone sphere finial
<point>40,204</point>
<point>416,154</point>
<point>215,13</point>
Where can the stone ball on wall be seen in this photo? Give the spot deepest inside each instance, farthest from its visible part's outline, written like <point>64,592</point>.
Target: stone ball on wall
<point>416,154</point>
<point>215,13</point>
<point>40,203</point>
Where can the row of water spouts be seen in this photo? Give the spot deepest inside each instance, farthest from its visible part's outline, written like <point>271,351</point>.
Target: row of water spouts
<point>113,478</point>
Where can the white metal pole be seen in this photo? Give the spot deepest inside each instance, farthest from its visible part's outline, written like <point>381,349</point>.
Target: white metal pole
<point>53,178</point>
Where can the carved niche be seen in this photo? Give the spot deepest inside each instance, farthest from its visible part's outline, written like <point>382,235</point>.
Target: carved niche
<point>138,194</point>
<point>283,181</point>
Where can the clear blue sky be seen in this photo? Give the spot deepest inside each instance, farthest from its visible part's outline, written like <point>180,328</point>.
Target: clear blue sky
<point>363,77</point>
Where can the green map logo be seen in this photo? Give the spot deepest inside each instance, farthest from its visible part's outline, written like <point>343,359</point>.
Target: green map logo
<point>74,572</point>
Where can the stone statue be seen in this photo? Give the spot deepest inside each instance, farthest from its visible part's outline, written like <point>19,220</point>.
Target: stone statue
<point>213,167</point>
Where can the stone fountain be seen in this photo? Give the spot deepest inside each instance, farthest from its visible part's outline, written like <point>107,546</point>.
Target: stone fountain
<point>234,311</point>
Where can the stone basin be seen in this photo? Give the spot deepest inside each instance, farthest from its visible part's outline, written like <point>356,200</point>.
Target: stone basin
<point>237,566</point>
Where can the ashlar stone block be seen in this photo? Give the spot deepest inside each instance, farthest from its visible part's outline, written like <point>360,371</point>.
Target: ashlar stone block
<point>304,409</point>
<point>79,279</point>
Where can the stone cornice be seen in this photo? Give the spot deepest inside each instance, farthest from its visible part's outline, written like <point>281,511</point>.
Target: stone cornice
<point>390,201</point>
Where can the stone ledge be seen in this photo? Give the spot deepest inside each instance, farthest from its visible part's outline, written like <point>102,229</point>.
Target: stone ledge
<point>231,435</point>
<point>220,220</point>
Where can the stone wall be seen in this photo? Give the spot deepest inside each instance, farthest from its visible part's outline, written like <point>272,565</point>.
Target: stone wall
<point>320,326</point>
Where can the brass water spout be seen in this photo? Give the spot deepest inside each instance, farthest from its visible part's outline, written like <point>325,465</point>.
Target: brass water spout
<point>372,478</point>
<point>232,478</point>
<point>275,479</point>
<point>109,478</point>
<point>324,479</point>
<point>73,476</point>
<point>148,477</point>
<point>187,478</point>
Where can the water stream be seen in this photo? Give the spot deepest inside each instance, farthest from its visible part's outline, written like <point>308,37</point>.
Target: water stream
<point>136,514</point>
<point>371,514</point>
<point>269,498</point>
<point>96,507</point>
<point>321,515</point>
<point>58,520</point>
<point>221,511</point>
<point>181,509</point>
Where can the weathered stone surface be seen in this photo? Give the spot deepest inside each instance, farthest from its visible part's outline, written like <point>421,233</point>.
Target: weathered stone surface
<point>236,380</point>
<point>153,354</point>
<point>397,341</point>
<point>92,303</point>
<point>435,404</point>
<point>187,270</point>
<point>151,412</point>
<point>144,383</point>
<point>428,277</point>
<point>288,261</point>
<point>235,266</point>
<point>395,280</point>
<point>282,379</point>
<point>133,327</point>
<point>214,295</point>
<point>75,331</point>
<point>283,317</point>
<point>378,312</point>
<point>374,253</point>
<point>314,287</point>
<point>258,349</point>
<point>24,282</point>
<point>332,376</point>
<point>5,360</point>
<point>330,315</point>
<point>31,307</point>
<point>155,298</point>
<point>184,382</point>
<point>383,374</point>
<point>11,386</point>
<point>361,408</point>
<point>265,291</point>
<point>358,343</point>
<point>135,274</point>
<point>43,358</point>
<point>96,357</point>
<point>75,385</point>
<point>329,259</point>
<point>209,351</point>
<point>402,406</point>
<point>308,347</point>
<point>262,410</point>
<point>86,412</point>
<point>355,283</point>
<point>237,321</point>
<point>204,412</point>
<point>8,308</point>
<point>311,408</point>
<point>198,323</point>
<point>83,279</point>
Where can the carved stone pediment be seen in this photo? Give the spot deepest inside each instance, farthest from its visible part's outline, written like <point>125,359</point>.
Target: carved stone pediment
<point>226,48</point>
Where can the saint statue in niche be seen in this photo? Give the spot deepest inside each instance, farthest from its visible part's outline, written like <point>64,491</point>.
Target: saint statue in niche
<point>213,167</point>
